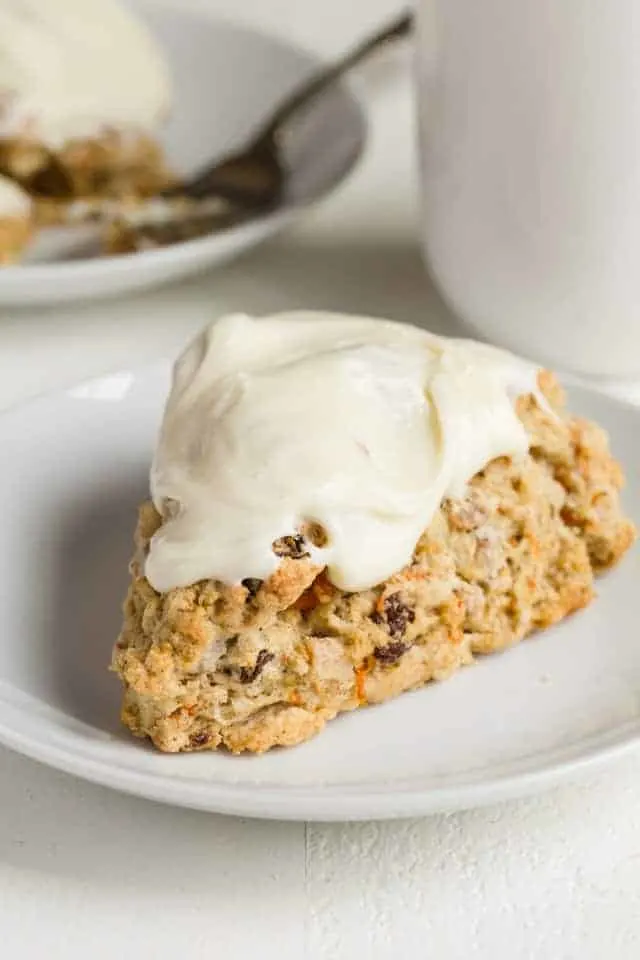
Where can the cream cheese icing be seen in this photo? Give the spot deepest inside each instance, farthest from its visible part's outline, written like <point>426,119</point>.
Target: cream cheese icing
<point>360,425</point>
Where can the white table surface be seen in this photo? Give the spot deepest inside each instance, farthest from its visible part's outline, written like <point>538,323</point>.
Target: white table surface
<point>87,873</point>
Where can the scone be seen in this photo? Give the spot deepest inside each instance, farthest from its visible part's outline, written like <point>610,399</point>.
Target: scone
<point>442,504</point>
<point>84,92</point>
<point>16,221</point>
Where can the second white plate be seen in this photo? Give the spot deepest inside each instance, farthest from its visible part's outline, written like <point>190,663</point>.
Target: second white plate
<point>227,80</point>
<point>512,724</point>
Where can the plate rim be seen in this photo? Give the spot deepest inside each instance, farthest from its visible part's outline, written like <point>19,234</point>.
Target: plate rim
<point>308,804</point>
<point>97,266</point>
<point>340,803</point>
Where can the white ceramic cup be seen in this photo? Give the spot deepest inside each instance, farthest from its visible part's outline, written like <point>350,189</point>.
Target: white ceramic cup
<point>530,164</point>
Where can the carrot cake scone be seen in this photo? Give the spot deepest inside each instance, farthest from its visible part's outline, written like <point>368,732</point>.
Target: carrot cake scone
<point>16,221</point>
<point>84,91</point>
<point>343,509</point>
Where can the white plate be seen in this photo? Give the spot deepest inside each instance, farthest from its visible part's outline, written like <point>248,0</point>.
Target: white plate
<point>227,80</point>
<point>75,466</point>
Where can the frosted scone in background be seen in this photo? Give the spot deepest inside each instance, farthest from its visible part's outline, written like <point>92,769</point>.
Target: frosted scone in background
<point>84,92</point>
<point>345,508</point>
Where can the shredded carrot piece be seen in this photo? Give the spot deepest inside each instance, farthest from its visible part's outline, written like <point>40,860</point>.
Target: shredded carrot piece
<point>306,601</point>
<point>361,676</point>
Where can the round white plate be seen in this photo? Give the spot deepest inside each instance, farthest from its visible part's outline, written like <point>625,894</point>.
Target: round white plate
<point>74,468</point>
<point>227,79</point>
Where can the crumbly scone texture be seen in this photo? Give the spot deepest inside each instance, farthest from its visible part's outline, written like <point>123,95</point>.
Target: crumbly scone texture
<point>114,166</point>
<point>268,663</point>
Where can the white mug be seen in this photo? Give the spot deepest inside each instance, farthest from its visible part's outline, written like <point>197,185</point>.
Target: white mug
<point>530,165</point>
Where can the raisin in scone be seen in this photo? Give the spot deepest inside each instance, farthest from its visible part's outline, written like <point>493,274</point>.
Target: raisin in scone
<point>250,662</point>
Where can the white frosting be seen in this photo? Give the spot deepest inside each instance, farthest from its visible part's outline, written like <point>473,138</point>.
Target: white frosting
<point>74,68</point>
<point>14,202</point>
<point>361,425</point>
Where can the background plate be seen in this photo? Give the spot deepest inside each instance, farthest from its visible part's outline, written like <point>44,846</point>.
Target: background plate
<point>227,79</point>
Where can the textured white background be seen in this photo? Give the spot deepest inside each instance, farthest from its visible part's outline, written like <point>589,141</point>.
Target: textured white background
<point>86,873</point>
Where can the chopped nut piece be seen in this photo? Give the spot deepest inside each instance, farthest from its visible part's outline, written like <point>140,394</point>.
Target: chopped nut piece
<point>466,515</point>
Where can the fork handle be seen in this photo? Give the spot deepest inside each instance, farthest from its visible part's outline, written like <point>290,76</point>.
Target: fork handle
<point>253,174</point>
<point>302,96</point>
